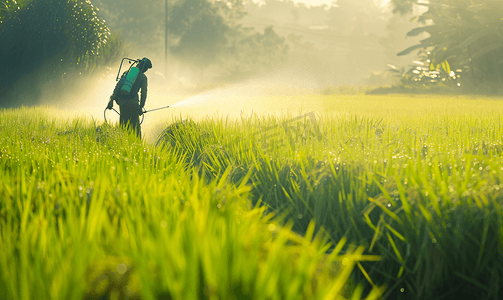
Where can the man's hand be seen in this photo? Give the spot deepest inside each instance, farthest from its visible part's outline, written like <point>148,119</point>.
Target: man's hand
<point>110,104</point>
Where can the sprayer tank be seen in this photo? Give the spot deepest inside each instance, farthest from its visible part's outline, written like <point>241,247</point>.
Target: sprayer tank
<point>130,79</point>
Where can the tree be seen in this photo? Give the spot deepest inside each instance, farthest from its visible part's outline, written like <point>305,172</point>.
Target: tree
<point>466,37</point>
<point>140,22</point>
<point>10,7</point>
<point>249,52</point>
<point>58,36</point>
<point>200,31</point>
<point>206,34</point>
<point>403,7</point>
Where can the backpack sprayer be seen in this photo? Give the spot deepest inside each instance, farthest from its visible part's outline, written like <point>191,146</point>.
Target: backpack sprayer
<point>127,80</point>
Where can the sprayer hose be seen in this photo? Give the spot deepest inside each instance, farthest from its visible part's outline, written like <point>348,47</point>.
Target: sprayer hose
<point>105,115</point>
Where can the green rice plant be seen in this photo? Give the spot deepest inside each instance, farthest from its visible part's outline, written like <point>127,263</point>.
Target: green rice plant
<point>91,212</point>
<point>417,183</point>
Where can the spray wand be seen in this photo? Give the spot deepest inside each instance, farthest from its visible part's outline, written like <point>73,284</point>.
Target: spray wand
<point>143,114</point>
<point>155,109</point>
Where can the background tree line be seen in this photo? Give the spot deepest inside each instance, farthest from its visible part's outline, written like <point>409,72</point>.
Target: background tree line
<point>458,43</point>
<point>48,40</point>
<point>212,40</point>
<point>205,37</point>
<point>219,40</point>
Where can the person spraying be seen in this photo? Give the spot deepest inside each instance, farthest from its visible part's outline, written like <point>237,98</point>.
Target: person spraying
<point>125,94</point>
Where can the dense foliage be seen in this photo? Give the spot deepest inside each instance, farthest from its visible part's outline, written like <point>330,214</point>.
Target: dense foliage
<point>47,39</point>
<point>465,39</point>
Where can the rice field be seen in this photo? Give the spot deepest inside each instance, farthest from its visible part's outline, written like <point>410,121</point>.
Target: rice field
<point>330,197</point>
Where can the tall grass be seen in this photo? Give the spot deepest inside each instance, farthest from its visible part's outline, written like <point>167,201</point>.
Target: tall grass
<point>90,212</point>
<point>422,190</point>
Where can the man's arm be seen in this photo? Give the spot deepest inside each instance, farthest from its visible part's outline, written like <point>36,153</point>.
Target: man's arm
<point>110,103</point>
<point>143,92</point>
<point>113,97</point>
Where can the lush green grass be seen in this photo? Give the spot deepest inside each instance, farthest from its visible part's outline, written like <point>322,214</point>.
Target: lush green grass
<point>415,180</point>
<point>90,212</point>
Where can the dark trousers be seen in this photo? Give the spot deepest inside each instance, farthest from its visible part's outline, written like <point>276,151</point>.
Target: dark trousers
<point>130,117</point>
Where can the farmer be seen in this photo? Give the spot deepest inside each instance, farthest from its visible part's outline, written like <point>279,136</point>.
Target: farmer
<point>131,106</point>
